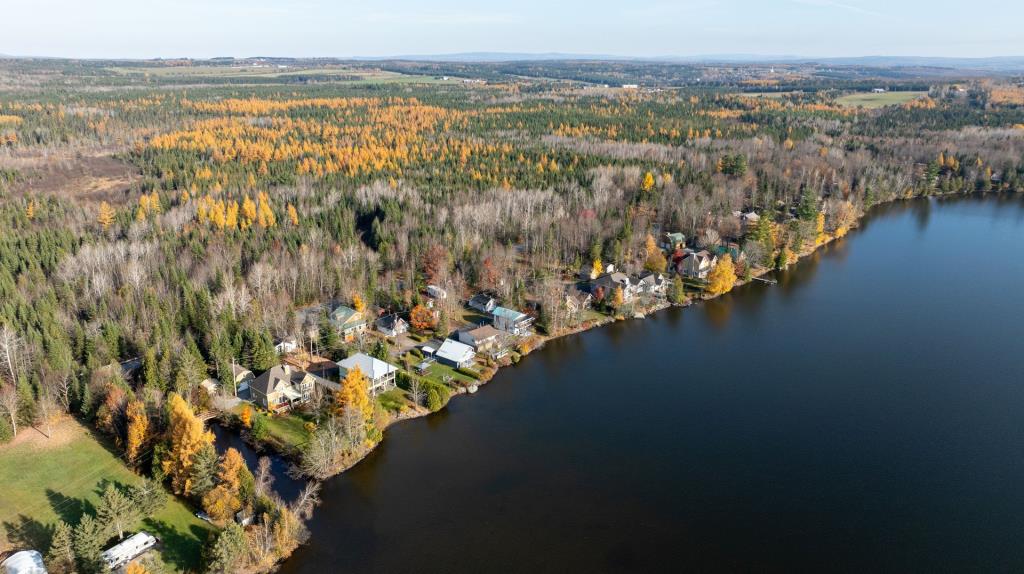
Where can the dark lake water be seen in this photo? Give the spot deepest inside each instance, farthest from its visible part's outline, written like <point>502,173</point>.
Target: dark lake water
<point>865,414</point>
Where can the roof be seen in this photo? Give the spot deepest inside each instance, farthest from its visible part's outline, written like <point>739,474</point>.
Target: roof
<point>346,316</point>
<point>370,366</point>
<point>237,370</point>
<point>455,351</point>
<point>481,299</point>
<point>24,562</point>
<point>269,379</point>
<point>509,314</point>
<point>484,332</point>
<point>390,321</point>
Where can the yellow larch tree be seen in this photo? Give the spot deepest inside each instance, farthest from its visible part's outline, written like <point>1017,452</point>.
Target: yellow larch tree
<point>293,215</point>
<point>648,182</point>
<point>105,217</point>
<point>723,276</point>
<point>596,269</point>
<point>231,216</point>
<point>248,212</point>
<point>354,393</point>
<point>30,210</point>
<point>138,429</point>
<point>187,436</point>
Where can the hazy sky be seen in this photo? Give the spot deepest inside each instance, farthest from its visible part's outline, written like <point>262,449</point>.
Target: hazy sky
<point>206,28</point>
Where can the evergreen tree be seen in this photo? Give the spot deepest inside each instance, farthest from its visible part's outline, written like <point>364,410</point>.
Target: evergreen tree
<point>116,510</point>
<point>203,474</point>
<point>61,557</point>
<point>89,538</point>
<point>228,550</point>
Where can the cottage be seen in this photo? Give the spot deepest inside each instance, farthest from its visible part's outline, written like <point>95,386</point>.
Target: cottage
<point>673,241</point>
<point>380,374</point>
<point>436,292</point>
<point>285,345</point>
<point>242,377</point>
<point>484,339</point>
<point>483,303</point>
<point>697,265</point>
<point>577,301</point>
<point>511,321</point>
<point>283,387</point>
<point>392,325</point>
<point>313,364</point>
<point>455,354</point>
<point>651,283</point>
<point>349,323</point>
<point>607,284</point>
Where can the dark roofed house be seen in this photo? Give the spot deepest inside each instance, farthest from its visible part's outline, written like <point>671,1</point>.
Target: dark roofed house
<point>651,283</point>
<point>392,325</point>
<point>283,387</point>
<point>608,282</point>
<point>483,303</point>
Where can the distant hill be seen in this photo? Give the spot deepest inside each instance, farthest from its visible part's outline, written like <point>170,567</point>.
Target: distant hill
<point>1002,63</point>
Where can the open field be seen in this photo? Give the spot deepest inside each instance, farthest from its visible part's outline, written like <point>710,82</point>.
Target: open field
<point>872,100</point>
<point>44,483</point>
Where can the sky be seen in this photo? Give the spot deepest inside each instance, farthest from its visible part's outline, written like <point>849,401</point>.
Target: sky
<point>348,28</point>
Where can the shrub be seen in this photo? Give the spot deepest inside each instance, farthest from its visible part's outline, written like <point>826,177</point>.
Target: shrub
<point>434,401</point>
<point>6,432</point>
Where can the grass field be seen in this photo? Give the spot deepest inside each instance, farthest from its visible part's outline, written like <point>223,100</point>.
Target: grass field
<point>44,483</point>
<point>871,100</point>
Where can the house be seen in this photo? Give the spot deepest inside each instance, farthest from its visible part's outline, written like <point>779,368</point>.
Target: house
<point>436,292</point>
<point>380,374</point>
<point>878,90</point>
<point>24,562</point>
<point>124,552</point>
<point>242,377</point>
<point>314,364</point>
<point>392,325</point>
<point>283,387</point>
<point>697,265</point>
<point>455,354</point>
<point>673,241</point>
<point>511,321</point>
<point>651,283</point>
<point>748,220</point>
<point>607,284</point>
<point>483,303</point>
<point>349,322</point>
<point>577,301</point>
<point>211,386</point>
<point>484,339</point>
<point>285,345</point>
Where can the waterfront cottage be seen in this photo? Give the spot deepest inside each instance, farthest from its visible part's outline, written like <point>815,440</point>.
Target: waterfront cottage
<point>608,282</point>
<point>511,321</point>
<point>697,265</point>
<point>483,339</point>
<point>283,387</point>
<point>455,354</point>
<point>381,375</point>
<point>483,303</point>
<point>651,283</point>
<point>577,301</point>
<point>349,322</point>
<point>392,325</point>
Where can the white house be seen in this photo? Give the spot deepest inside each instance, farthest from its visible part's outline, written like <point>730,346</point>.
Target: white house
<point>455,354</point>
<point>285,345</point>
<point>380,374</point>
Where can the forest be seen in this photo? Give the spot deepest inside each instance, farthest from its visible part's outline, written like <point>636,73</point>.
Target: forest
<point>184,220</point>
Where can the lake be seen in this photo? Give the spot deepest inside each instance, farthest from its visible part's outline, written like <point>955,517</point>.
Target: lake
<point>866,413</point>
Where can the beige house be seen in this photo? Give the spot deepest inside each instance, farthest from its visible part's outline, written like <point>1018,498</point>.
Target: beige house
<point>284,387</point>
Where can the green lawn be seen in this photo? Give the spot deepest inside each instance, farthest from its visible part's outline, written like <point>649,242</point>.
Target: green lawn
<point>43,484</point>
<point>289,429</point>
<point>872,100</point>
<point>393,400</point>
